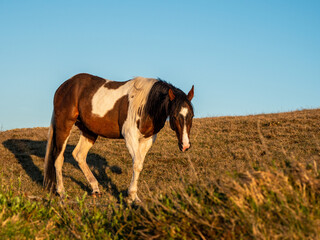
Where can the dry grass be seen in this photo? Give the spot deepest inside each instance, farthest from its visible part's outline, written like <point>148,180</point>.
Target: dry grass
<point>245,177</point>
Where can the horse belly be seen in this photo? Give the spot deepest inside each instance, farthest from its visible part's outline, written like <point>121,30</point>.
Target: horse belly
<point>105,127</point>
<point>110,124</point>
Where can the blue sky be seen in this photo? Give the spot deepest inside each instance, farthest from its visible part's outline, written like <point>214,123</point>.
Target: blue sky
<point>244,57</point>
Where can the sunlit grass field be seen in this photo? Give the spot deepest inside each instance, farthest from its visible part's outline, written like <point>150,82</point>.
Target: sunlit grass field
<point>250,177</point>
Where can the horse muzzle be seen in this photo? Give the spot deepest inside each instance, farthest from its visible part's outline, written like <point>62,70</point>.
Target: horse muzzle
<point>184,148</point>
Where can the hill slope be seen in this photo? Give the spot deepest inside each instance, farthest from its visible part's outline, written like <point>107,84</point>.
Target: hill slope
<point>221,147</point>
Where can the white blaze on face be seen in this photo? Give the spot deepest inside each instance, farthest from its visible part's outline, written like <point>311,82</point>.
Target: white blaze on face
<point>185,137</point>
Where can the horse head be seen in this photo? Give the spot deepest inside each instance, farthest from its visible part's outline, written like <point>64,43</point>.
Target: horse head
<point>181,116</point>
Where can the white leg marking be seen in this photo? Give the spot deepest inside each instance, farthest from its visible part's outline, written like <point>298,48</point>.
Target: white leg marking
<point>132,142</point>
<point>138,150</point>
<point>185,137</point>
<point>80,154</point>
<point>58,165</point>
<point>144,146</point>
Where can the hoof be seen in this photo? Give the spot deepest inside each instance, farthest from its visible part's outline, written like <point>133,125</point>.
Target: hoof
<point>134,201</point>
<point>96,194</point>
<point>137,200</point>
<point>62,195</point>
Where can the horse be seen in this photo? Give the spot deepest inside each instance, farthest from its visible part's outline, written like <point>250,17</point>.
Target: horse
<point>134,110</point>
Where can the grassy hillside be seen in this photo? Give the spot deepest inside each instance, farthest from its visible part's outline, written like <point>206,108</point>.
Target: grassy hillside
<point>252,177</point>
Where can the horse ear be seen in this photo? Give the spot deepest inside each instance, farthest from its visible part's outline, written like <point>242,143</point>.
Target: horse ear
<point>191,93</point>
<point>171,95</point>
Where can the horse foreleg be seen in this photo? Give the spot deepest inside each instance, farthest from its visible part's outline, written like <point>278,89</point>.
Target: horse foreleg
<point>138,150</point>
<point>80,155</point>
<point>62,125</point>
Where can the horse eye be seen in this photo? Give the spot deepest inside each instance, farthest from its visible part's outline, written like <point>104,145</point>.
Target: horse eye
<point>189,117</point>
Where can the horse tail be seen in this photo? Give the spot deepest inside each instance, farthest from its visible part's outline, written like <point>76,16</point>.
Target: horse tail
<point>49,181</point>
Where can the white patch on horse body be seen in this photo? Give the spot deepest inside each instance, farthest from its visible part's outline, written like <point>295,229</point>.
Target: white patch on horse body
<point>185,137</point>
<point>105,98</point>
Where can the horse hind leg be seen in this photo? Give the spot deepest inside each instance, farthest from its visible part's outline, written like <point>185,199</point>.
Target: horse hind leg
<point>80,152</point>
<point>61,146</point>
<point>62,132</point>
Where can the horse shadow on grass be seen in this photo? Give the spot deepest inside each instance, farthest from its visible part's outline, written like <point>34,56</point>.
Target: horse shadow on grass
<point>24,148</point>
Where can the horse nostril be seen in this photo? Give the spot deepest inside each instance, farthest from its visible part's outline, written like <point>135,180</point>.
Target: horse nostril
<point>186,148</point>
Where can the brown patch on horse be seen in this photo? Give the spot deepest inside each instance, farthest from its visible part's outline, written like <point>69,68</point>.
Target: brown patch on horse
<point>123,109</point>
<point>114,85</point>
<point>110,125</point>
<point>146,126</point>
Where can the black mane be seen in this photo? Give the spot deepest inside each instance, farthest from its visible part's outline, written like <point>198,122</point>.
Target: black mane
<point>159,106</point>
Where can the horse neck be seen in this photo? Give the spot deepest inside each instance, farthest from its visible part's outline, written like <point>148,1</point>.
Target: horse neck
<point>158,108</point>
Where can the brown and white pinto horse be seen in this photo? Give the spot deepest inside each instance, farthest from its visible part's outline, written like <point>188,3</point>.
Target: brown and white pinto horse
<point>135,110</point>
